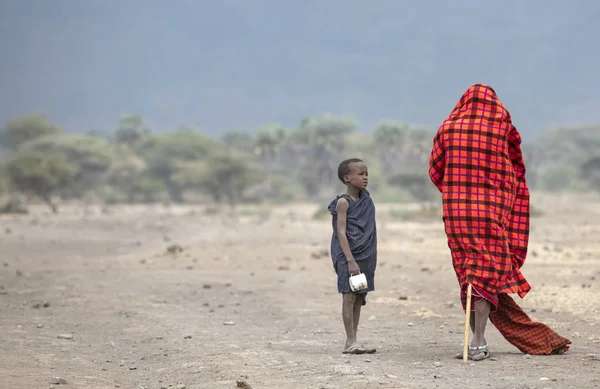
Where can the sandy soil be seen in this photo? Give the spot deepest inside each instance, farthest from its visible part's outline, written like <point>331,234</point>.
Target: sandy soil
<point>253,295</point>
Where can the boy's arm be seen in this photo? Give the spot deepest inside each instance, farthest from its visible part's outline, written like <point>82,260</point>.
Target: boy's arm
<point>341,209</point>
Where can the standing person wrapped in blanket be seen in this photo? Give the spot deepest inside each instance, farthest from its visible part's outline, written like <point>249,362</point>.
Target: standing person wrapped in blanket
<point>353,245</point>
<point>477,165</point>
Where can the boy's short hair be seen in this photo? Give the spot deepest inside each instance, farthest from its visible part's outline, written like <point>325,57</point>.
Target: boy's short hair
<point>344,168</point>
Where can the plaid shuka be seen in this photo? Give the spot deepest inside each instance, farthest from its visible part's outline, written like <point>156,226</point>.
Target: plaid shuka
<point>477,164</point>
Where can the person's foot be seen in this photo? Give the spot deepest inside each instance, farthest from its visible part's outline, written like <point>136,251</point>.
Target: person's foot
<point>349,343</point>
<point>370,350</point>
<point>476,353</point>
<point>479,353</point>
<point>355,349</point>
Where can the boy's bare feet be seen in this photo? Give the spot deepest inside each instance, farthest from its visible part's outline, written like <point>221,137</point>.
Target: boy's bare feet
<point>358,349</point>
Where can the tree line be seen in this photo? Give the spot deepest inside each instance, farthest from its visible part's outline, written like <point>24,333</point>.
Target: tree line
<point>134,164</point>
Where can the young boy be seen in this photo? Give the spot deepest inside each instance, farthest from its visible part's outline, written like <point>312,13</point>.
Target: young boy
<point>353,245</point>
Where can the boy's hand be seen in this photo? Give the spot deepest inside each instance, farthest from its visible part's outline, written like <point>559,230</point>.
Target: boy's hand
<point>353,268</point>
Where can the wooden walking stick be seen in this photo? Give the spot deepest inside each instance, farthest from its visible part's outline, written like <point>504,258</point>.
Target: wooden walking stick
<point>467,325</point>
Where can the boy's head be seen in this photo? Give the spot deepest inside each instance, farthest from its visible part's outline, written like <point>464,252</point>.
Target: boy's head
<point>354,172</point>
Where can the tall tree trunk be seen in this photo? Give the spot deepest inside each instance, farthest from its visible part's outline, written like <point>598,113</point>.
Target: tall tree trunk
<point>175,192</point>
<point>48,201</point>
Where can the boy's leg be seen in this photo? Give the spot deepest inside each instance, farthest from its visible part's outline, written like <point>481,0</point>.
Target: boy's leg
<point>358,302</point>
<point>348,303</point>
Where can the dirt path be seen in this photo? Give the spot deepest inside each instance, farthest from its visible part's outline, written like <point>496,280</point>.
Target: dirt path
<point>254,296</point>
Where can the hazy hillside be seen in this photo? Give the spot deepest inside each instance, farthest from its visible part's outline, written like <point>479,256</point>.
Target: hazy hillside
<point>239,64</point>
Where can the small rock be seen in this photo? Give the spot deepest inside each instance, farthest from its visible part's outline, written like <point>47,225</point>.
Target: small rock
<point>65,336</point>
<point>132,368</point>
<point>527,356</point>
<point>403,298</point>
<point>410,324</point>
<point>343,370</point>
<point>391,376</point>
<point>283,268</point>
<point>174,248</point>
<point>58,381</point>
<point>207,286</point>
<point>181,386</point>
<point>367,360</point>
<point>228,323</point>
<point>424,269</point>
<point>437,364</point>
<point>19,273</point>
<point>544,379</point>
<point>40,326</point>
<point>493,359</point>
<point>371,318</point>
<point>187,337</point>
<point>242,384</point>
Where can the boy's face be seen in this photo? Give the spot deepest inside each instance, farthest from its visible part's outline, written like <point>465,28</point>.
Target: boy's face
<point>358,176</point>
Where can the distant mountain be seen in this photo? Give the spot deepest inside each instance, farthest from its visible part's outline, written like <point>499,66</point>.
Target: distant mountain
<point>240,64</point>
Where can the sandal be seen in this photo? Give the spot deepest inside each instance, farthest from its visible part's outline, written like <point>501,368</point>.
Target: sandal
<point>476,353</point>
<point>355,350</point>
<point>370,350</point>
<point>479,353</point>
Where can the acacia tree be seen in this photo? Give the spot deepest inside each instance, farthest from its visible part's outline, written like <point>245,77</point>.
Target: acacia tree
<point>222,175</point>
<point>590,172</point>
<point>268,144</point>
<point>390,140</point>
<point>317,147</point>
<point>23,129</point>
<point>131,130</point>
<point>90,157</point>
<point>166,154</point>
<point>40,174</point>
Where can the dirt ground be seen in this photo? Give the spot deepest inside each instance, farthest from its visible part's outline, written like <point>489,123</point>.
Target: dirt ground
<point>254,296</point>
